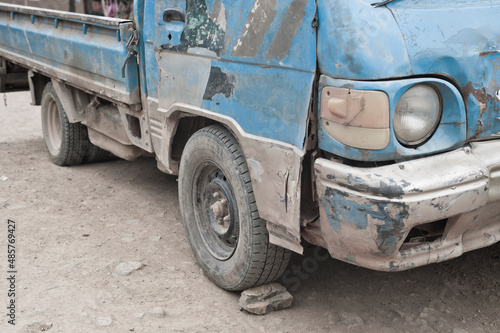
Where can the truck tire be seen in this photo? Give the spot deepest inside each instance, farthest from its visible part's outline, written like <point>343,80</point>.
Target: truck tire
<point>229,239</point>
<point>66,142</point>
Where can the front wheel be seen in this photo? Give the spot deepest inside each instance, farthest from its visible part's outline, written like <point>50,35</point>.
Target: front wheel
<point>228,238</point>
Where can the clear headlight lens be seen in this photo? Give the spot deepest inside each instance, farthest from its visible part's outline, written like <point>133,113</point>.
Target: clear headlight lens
<point>417,114</point>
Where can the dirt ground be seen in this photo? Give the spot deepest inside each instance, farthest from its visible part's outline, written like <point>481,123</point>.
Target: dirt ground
<point>75,225</point>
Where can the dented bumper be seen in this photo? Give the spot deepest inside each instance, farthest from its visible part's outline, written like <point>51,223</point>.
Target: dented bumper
<point>366,214</point>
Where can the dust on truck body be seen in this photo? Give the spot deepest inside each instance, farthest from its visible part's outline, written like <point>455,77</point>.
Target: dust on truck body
<point>370,129</point>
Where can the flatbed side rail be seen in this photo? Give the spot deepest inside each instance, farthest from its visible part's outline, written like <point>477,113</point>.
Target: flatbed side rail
<point>85,51</point>
<point>69,16</point>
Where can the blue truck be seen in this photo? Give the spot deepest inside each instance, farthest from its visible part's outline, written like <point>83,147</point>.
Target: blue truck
<point>371,129</point>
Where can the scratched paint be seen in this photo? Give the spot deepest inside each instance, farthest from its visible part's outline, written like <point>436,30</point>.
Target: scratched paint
<point>288,30</point>
<point>201,30</point>
<point>206,47</point>
<point>359,42</point>
<point>388,219</point>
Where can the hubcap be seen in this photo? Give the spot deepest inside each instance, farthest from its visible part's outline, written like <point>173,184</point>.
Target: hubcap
<point>217,211</point>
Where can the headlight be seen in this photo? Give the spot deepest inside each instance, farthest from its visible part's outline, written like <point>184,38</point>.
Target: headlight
<point>417,114</point>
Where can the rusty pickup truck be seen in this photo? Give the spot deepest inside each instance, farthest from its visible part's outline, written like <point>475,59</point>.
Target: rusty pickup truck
<point>371,129</point>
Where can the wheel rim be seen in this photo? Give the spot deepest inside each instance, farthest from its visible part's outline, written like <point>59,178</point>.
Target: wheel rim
<point>54,132</point>
<point>216,211</point>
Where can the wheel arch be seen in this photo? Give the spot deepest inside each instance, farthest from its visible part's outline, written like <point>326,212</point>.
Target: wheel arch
<point>275,167</point>
<point>37,83</point>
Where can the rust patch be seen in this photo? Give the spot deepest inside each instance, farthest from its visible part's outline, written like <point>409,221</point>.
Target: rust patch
<point>485,53</point>
<point>482,97</point>
<point>480,94</point>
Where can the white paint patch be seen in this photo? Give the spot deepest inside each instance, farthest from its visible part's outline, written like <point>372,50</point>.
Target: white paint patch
<point>238,44</point>
<point>221,19</point>
<point>497,94</point>
<point>187,77</point>
<point>256,169</point>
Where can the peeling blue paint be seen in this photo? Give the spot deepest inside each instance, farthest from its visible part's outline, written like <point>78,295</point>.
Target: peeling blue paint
<point>390,233</point>
<point>342,210</point>
<point>388,188</point>
<point>351,258</point>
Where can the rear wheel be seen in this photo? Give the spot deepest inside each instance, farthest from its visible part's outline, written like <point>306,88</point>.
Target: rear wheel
<point>228,238</point>
<point>66,142</point>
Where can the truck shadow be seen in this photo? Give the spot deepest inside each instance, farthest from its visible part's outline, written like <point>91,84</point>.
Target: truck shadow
<point>463,292</point>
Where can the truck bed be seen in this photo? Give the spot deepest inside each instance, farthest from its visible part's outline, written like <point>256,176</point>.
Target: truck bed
<point>85,51</point>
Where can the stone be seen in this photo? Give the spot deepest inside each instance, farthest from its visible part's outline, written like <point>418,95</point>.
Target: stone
<point>264,299</point>
<point>423,315</point>
<point>127,240</point>
<point>36,327</point>
<point>110,265</point>
<point>399,313</point>
<point>139,314</point>
<point>157,311</point>
<point>104,321</point>
<point>350,319</point>
<point>126,268</point>
<point>459,330</point>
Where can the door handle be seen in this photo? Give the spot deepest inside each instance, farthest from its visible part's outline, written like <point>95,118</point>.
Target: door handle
<point>174,14</point>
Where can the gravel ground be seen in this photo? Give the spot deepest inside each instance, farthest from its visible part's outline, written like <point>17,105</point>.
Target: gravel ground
<point>101,248</point>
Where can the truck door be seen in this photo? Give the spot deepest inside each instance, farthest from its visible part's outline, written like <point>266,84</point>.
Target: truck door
<point>245,59</point>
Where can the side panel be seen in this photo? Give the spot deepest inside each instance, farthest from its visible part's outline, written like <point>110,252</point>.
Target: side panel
<point>254,63</point>
<point>82,50</point>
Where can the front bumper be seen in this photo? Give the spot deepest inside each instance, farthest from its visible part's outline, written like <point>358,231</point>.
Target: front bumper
<point>367,213</point>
